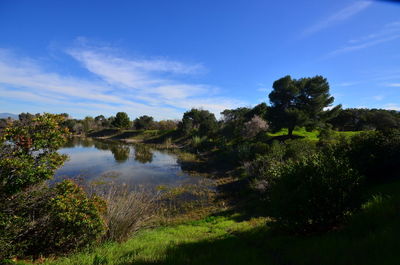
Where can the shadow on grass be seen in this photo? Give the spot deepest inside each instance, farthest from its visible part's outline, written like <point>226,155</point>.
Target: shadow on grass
<point>259,246</point>
<point>241,248</point>
<point>372,236</point>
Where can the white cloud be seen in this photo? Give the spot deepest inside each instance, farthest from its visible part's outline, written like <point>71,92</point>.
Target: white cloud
<point>378,97</point>
<point>345,84</point>
<point>337,17</point>
<point>388,33</point>
<point>394,85</point>
<point>137,87</point>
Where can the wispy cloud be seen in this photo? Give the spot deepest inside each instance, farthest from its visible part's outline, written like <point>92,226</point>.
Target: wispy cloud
<point>393,85</point>
<point>388,33</point>
<point>341,15</point>
<point>392,106</point>
<point>378,97</point>
<point>137,86</point>
<point>345,84</point>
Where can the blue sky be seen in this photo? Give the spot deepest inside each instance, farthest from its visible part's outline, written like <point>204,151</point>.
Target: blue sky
<point>161,58</point>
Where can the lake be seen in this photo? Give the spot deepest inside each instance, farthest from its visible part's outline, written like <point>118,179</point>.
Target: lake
<point>131,164</point>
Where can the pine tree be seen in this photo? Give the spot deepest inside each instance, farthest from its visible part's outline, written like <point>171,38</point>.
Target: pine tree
<point>300,102</point>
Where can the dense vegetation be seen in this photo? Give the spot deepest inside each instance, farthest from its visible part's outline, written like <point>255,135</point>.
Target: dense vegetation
<point>294,176</point>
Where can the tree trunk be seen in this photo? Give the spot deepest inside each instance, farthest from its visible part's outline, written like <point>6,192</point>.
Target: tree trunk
<point>290,132</point>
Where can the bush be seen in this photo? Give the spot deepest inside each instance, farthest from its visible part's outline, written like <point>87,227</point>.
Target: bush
<point>376,154</point>
<point>42,221</point>
<point>314,193</point>
<point>75,218</point>
<point>262,168</point>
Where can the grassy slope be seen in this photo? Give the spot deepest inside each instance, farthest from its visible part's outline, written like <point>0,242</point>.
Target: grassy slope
<point>313,135</point>
<point>371,237</point>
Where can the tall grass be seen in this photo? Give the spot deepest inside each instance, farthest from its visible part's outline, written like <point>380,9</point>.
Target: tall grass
<point>128,210</point>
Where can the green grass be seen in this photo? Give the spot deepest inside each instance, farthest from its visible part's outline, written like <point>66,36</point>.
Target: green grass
<point>313,135</point>
<point>371,237</point>
<point>153,246</point>
<point>298,132</point>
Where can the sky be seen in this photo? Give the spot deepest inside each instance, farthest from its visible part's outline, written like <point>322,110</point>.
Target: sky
<point>161,58</point>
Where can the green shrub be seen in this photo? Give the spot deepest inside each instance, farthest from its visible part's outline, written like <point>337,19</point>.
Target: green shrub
<point>376,154</point>
<point>43,220</point>
<point>314,193</point>
<point>76,218</point>
<point>262,168</point>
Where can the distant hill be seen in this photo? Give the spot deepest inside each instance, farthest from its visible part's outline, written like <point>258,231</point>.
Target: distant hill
<point>6,115</point>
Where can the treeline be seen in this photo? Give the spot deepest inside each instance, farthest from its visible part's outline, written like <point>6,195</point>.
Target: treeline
<point>366,119</point>
<point>120,121</point>
<point>237,122</point>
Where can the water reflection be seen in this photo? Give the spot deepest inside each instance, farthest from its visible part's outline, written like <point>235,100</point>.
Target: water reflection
<point>143,154</point>
<point>120,152</point>
<point>98,160</point>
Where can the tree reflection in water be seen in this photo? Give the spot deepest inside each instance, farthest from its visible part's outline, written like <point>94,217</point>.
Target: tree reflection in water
<point>120,152</point>
<point>143,154</point>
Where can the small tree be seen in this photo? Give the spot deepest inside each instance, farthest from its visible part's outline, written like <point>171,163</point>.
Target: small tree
<point>121,120</point>
<point>300,103</point>
<point>254,126</point>
<point>144,122</point>
<point>28,152</point>
<point>88,124</point>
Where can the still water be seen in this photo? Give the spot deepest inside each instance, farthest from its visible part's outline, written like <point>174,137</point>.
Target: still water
<point>99,160</point>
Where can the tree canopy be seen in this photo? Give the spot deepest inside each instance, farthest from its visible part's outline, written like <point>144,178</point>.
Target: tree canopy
<point>144,122</point>
<point>28,152</point>
<point>300,102</point>
<point>199,121</point>
<point>121,120</point>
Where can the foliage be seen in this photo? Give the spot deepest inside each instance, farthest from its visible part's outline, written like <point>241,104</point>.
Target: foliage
<point>300,103</point>
<point>88,124</point>
<point>375,154</point>
<point>233,120</point>
<point>255,126</point>
<point>42,221</point>
<point>262,168</point>
<point>166,125</point>
<point>366,119</point>
<point>102,122</point>
<point>144,122</point>
<point>121,120</point>
<point>75,218</point>
<point>28,152</point>
<point>201,122</point>
<point>314,193</point>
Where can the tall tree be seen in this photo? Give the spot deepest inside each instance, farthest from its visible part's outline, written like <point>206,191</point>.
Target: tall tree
<point>198,121</point>
<point>121,120</point>
<point>300,102</point>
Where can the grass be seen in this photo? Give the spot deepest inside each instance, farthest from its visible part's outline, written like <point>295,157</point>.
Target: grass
<point>313,135</point>
<point>298,132</point>
<point>371,237</point>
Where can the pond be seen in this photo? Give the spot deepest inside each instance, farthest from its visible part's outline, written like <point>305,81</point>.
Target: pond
<point>130,164</point>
